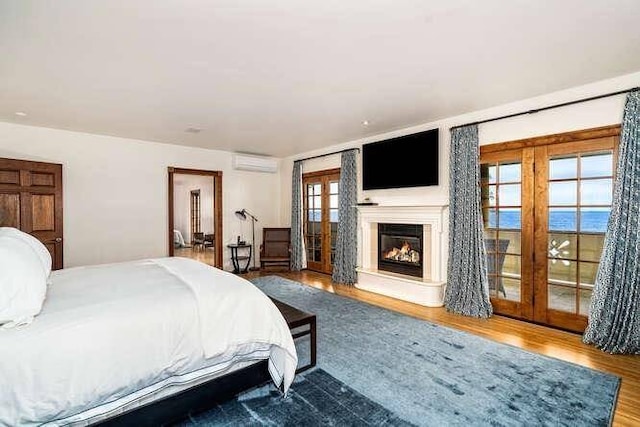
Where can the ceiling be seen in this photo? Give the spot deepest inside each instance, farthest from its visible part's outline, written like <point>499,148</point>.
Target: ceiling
<point>283,77</point>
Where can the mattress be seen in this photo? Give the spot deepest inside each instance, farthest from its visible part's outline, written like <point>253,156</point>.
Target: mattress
<point>170,386</point>
<point>112,337</point>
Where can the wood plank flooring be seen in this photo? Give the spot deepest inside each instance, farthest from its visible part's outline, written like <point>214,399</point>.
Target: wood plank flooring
<point>207,256</point>
<point>535,338</point>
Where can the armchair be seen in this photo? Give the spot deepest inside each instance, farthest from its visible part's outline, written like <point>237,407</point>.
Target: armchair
<point>275,250</point>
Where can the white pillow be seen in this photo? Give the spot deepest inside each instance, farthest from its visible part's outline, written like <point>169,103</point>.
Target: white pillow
<point>39,248</point>
<point>23,284</point>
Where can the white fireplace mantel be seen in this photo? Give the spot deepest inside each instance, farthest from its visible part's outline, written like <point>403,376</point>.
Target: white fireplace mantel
<point>428,290</point>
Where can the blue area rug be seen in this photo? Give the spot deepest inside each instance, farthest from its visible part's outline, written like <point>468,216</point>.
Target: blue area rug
<point>315,399</point>
<point>432,375</point>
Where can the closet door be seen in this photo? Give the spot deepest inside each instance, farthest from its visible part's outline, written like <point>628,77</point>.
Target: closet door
<point>31,200</point>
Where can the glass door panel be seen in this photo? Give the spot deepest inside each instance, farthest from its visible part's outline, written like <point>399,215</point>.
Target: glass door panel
<point>321,218</point>
<point>313,235</point>
<point>546,205</point>
<point>501,189</point>
<point>579,195</point>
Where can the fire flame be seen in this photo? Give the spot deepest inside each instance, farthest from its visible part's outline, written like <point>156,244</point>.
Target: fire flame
<point>404,253</point>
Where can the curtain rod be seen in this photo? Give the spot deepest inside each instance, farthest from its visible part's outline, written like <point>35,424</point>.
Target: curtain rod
<point>327,154</point>
<point>537,110</point>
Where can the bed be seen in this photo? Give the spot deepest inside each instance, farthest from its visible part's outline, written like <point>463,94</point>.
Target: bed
<point>112,338</point>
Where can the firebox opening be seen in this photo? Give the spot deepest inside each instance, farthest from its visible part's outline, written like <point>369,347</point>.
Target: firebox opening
<point>400,248</point>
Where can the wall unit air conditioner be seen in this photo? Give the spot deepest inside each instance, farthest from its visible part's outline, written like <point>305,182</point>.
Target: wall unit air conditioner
<point>248,162</point>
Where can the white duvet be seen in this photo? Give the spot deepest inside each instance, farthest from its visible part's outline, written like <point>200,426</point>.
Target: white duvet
<point>108,331</point>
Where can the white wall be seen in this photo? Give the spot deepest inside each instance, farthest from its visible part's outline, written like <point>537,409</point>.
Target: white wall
<point>116,192</point>
<point>115,189</point>
<point>183,184</point>
<point>606,111</point>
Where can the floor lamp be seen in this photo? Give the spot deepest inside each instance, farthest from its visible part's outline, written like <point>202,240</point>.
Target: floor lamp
<point>242,215</point>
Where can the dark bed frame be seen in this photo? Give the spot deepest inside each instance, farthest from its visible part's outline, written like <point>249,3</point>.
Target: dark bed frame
<point>179,406</point>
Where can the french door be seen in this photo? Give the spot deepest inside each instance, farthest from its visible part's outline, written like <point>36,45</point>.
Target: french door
<point>546,204</point>
<point>321,192</point>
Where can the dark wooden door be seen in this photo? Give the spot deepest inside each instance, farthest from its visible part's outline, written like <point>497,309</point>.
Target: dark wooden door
<point>31,200</point>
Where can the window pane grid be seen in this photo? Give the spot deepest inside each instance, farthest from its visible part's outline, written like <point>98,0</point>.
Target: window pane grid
<point>575,206</point>
<point>581,223</point>
<point>586,178</point>
<point>501,191</point>
<point>576,196</point>
<point>321,198</point>
<point>313,216</point>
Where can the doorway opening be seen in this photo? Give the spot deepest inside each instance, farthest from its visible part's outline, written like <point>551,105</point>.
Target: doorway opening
<point>195,215</point>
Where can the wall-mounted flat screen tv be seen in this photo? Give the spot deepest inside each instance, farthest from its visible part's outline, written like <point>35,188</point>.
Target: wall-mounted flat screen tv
<point>405,161</point>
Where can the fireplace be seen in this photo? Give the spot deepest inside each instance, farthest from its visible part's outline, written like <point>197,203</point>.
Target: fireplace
<point>400,248</point>
<point>426,289</point>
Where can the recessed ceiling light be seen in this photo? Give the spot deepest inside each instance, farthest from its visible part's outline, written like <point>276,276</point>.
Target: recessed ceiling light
<point>365,123</point>
<point>21,113</point>
<point>193,130</point>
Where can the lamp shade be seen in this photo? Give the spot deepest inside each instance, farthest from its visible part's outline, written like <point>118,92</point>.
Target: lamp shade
<point>241,215</point>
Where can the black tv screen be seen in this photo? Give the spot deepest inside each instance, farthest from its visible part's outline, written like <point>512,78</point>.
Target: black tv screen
<point>405,161</point>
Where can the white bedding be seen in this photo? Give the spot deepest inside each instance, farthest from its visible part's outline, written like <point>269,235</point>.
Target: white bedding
<point>109,333</point>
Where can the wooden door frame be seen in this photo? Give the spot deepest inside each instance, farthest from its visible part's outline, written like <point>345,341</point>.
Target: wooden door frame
<point>523,308</point>
<point>539,148</point>
<point>326,265</point>
<point>559,138</point>
<point>544,314</point>
<point>217,207</point>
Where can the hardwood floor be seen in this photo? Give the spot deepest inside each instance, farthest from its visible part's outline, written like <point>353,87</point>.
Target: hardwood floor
<point>535,338</point>
<point>203,255</point>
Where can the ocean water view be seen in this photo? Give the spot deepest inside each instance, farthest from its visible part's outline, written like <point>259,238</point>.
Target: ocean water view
<point>592,220</point>
<point>560,219</point>
<point>315,215</point>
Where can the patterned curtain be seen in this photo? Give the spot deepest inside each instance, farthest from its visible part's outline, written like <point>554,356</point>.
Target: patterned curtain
<point>344,265</point>
<point>614,318</point>
<point>298,254</point>
<point>467,290</point>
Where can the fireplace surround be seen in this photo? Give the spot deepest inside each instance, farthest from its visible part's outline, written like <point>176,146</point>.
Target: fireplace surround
<point>427,290</point>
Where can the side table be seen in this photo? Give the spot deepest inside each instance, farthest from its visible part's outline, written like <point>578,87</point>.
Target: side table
<point>236,258</point>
